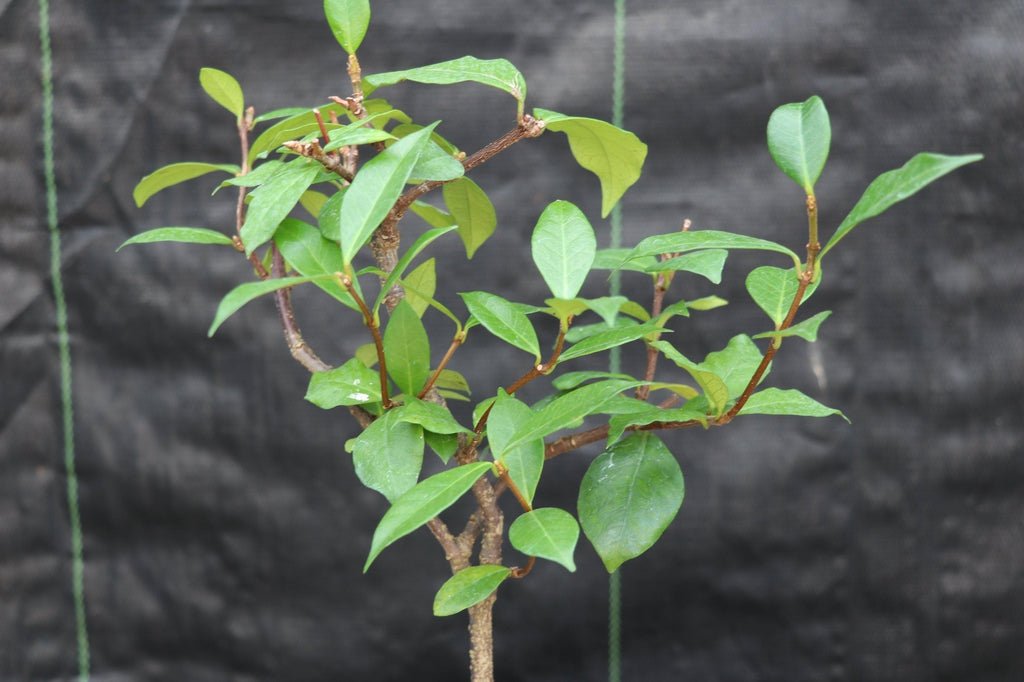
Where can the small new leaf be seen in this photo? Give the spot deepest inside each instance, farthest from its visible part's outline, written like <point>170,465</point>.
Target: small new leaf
<point>351,384</point>
<point>173,174</point>
<point>407,349</point>
<point>468,587</point>
<point>799,136</point>
<point>806,330</point>
<point>773,290</point>
<point>223,89</point>
<point>563,246</point>
<point>348,20</point>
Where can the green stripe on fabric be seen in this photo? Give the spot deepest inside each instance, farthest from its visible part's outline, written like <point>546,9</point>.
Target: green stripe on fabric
<point>63,344</point>
<point>615,359</point>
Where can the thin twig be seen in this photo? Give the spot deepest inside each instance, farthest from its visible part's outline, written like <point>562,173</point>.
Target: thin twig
<point>456,342</point>
<point>371,324</point>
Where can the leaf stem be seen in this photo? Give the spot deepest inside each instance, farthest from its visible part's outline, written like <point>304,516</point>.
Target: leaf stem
<point>456,342</point>
<point>372,325</point>
<point>661,284</point>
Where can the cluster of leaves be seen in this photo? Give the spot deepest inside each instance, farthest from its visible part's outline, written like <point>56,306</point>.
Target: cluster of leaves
<point>633,490</point>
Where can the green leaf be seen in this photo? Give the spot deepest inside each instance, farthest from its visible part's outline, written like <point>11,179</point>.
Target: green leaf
<point>468,587</point>
<point>351,384</point>
<point>273,201</point>
<point>497,73</point>
<point>614,155</point>
<point>443,444</point>
<point>428,282</point>
<point>407,349</point>
<point>243,293</point>
<point>257,176</point>
<point>423,278</point>
<point>525,462</point>
<point>329,219</point>
<point>799,136</point>
<point>375,190</point>
<point>175,173</point>
<point>310,254</point>
<point>406,128</point>
<point>714,387</point>
<point>356,134</point>
<point>223,89</point>
<point>564,247</point>
<point>564,411</point>
<point>291,128</point>
<point>806,330</point>
<point>679,242</point>
<point>622,259</point>
<point>188,235</point>
<point>503,319</point>
<point>452,380</point>
<point>280,113</point>
<point>313,202</point>
<point>707,264</point>
<point>549,533</point>
<point>348,20</point>
<point>472,211</point>
<point>693,409</point>
<point>435,164</point>
<point>580,332</point>
<point>609,339</point>
<point>679,308</point>
<point>424,501</point>
<point>607,307</point>
<point>735,364</point>
<point>388,455</point>
<point>628,497</point>
<point>570,380</point>
<point>895,186</point>
<point>434,216</point>
<point>431,417</point>
<point>789,401</point>
<point>706,303</point>
<point>773,290</point>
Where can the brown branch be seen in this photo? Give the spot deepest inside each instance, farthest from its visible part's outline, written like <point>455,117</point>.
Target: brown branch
<point>658,300</point>
<point>454,552</point>
<point>332,162</point>
<point>371,324</point>
<point>456,342</point>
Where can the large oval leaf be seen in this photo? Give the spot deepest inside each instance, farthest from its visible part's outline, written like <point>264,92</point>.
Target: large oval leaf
<point>788,401</point>
<point>388,455</point>
<point>273,201</point>
<point>895,186</point>
<point>497,73</point>
<point>187,235</point>
<point>468,587</point>
<point>614,155</point>
<point>311,254</point>
<point>424,501</point>
<point>612,338</point>
<point>549,533</point>
<point>175,173</point>
<point>628,497</point>
<point>407,349</point>
<point>375,190</point>
<point>348,20</point>
<point>503,319</point>
<point>472,211</point>
<point>799,136</point>
<point>563,246</point>
<point>223,89</point>
<point>679,242</point>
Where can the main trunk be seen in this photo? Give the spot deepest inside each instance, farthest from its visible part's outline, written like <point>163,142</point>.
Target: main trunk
<point>481,641</point>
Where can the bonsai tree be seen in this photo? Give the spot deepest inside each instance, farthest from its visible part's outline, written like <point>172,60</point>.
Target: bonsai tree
<point>358,166</point>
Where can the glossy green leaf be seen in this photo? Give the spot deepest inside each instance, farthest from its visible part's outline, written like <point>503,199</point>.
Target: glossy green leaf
<point>607,307</point>
<point>292,128</point>
<point>679,308</point>
<point>468,587</point>
<point>406,128</point>
<point>175,173</point>
<point>895,186</point>
<point>735,364</point>
<point>472,211</point>
<point>707,264</point>
<point>376,188</point>
<point>452,380</point>
<point>497,73</point>
<point>388,455</point>
<point>628,497</point>
<point>694,409</point>
<point>503,319</point>
<point>525,462</point>
<point>273,201</point>
<point>367,354</point>
<point>549,533</point>
<point>223,89</point>
<point>570,380</point>
<point>313,202</point>
<point>310,254</point>
<point>444,445</point>
<point>407,349</point>
<point>329,219</point>
<point>187,235</point>
<point>773,290</point>
<point>431,417</point>
<point>714,387</point>
<point>424,501</point>
<point>566,410</point>
<point>434,216</point>
<point>280,113</point>
<point>614,155</point>
<point>609,339</point>
<point>580,332</point>
<point>243,293</point>
<point>788,401</point>
<point>351,384</point>
<point>255,177</point>
<point>563,247</point>
<point>680,242</point>
<point>348,20</point>
<point>806,330</point>
<point>354,135</point>
<point>428,283</point>
<point>435,164</point>
<point>799,136</point>
<point>622,259</point>
<point>423,278</point>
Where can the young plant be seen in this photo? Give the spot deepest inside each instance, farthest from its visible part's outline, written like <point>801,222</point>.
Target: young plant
<point>357,165</point>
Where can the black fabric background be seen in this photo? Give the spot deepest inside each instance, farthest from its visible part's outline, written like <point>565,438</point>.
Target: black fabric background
<point>224,528</point>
